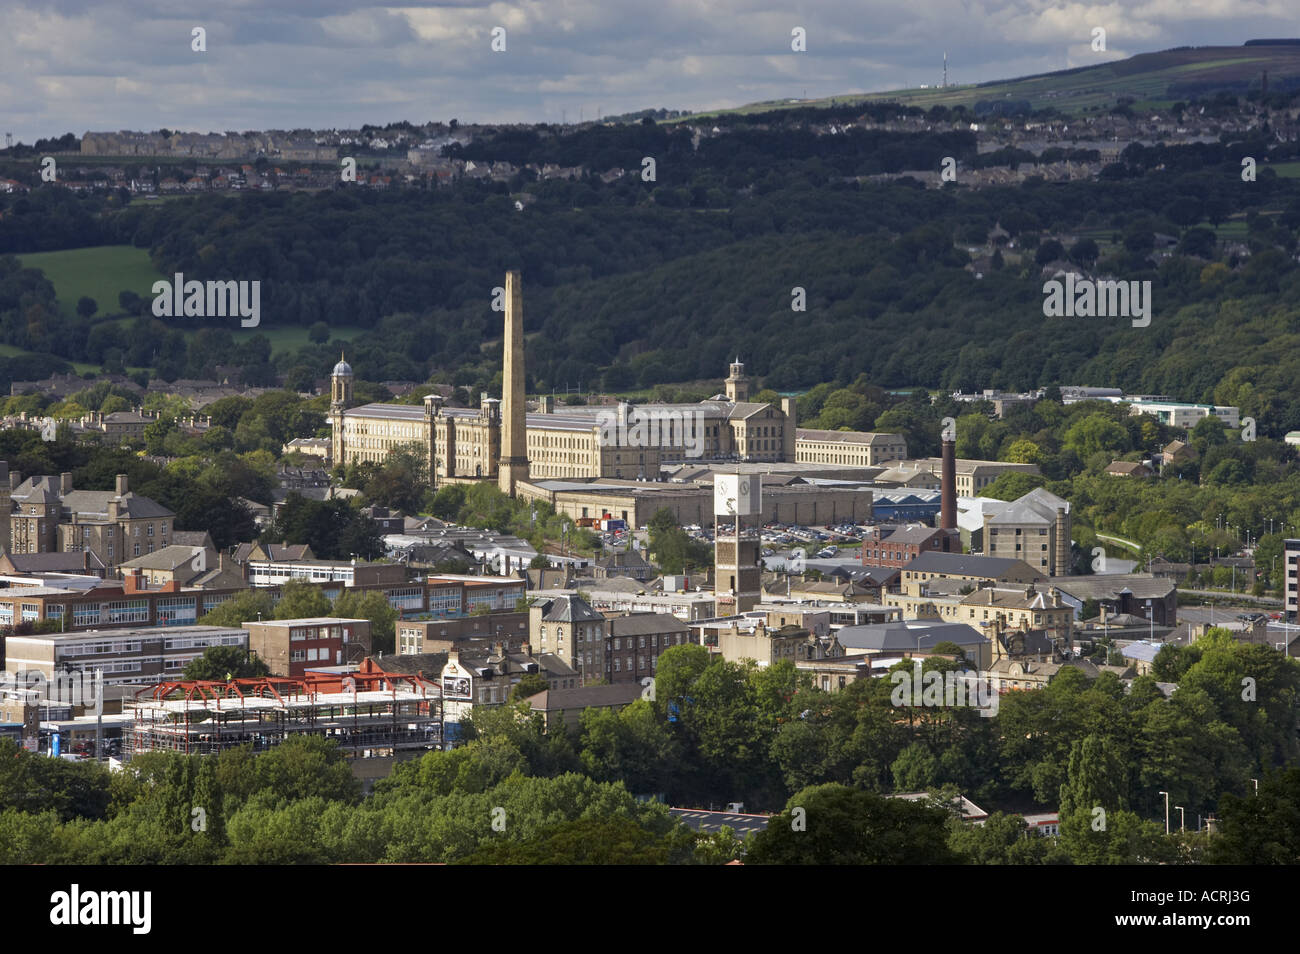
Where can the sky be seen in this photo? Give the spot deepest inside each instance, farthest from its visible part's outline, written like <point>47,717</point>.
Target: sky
<point>78,65</point>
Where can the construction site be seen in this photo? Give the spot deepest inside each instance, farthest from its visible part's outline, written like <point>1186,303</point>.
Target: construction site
<point>370,715</point>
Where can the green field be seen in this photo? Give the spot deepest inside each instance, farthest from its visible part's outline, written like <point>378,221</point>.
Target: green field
<point>104,271</point>
<point>100,272</point>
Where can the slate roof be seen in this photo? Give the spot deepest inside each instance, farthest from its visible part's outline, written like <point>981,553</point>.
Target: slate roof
<point>645,624</point>
<point>88,505</point>
<point>554,700</point>
<point>1107,586</point>
<point>902,635</point>
<point>963,564</point>
<point>570,609</point>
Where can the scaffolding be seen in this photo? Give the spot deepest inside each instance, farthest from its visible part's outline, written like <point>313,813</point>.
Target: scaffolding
<point>370,715</point>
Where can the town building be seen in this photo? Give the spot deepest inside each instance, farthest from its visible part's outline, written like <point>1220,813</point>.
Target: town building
<point>886,643</point>
<point>46,514</point>
<point>1035,528</point>
<point>471,679</point>
<point>566,706</point>
<point>970,568</point>
<point>135,655</point>
<point>896,547</point>
<point>853,448</point>
<point>1136,594</point>
<point>635,642</point>
<point>568,627</point>
<point>420,636</point>
<point>972,476</point>
<point>292,646</point>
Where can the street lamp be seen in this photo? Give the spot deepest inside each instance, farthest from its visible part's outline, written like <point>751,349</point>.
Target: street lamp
<point>1256,781</point>
<point>1166,795</point>
<point>1182,818</point>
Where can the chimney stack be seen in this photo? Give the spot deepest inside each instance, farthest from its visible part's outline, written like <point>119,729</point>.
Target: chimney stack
<point>948,488</point>
<point>121,484</point>
<point>513,466</point>
<point>65,483</point>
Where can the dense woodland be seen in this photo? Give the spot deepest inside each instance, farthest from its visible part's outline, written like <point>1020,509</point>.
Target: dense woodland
<point>622,279</point>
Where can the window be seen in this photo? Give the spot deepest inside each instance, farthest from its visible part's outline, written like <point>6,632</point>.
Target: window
<point>618,643</point>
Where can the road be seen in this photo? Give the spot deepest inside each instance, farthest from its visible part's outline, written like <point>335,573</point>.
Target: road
<point>700,820</point>
<point>1243,597</point>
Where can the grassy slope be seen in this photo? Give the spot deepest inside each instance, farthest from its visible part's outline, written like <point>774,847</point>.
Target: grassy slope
<point>1145,77</point>
<point>100,272</point>
<point>103,271</point>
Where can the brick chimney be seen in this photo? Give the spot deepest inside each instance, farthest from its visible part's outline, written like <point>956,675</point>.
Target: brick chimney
<point>948,487</point>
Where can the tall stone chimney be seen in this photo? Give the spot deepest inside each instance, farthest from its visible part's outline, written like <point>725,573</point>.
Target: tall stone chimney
<point>948,488</point>
<point>514,438</point>
<point>1062,534</point>
<point>122,484</point>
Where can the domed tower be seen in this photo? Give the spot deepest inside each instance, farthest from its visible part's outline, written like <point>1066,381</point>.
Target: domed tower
<point>737,383</point>
<point>341,379</point>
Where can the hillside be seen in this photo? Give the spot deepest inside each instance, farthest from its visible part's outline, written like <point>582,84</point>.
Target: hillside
<point>1150,79</point>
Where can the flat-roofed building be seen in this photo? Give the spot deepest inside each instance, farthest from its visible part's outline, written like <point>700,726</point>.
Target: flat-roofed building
<point>128,656</point>
<point>419,636</point>
<point>292,646</point>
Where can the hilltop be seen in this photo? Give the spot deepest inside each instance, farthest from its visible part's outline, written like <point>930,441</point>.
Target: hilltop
<point>1156,80</point>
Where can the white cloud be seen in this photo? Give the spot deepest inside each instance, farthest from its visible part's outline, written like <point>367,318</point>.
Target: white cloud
<point>95,64</point>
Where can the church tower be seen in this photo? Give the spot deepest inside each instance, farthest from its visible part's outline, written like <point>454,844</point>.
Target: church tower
<point>341,380</point>
<point>737,383</point>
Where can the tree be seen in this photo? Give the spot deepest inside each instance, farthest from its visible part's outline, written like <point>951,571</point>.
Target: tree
<point>301,599</point>
<point>673,548</point>
<point>221,663</point>
<point>1261,828</point>
<point>319,332</point>
<point>587,841</point>
<point>86,306</point>
<point>374,606</point>
<point>529,684</point>
<point>246,606</point>
<point>838,825</point>
<point>401,480</point>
